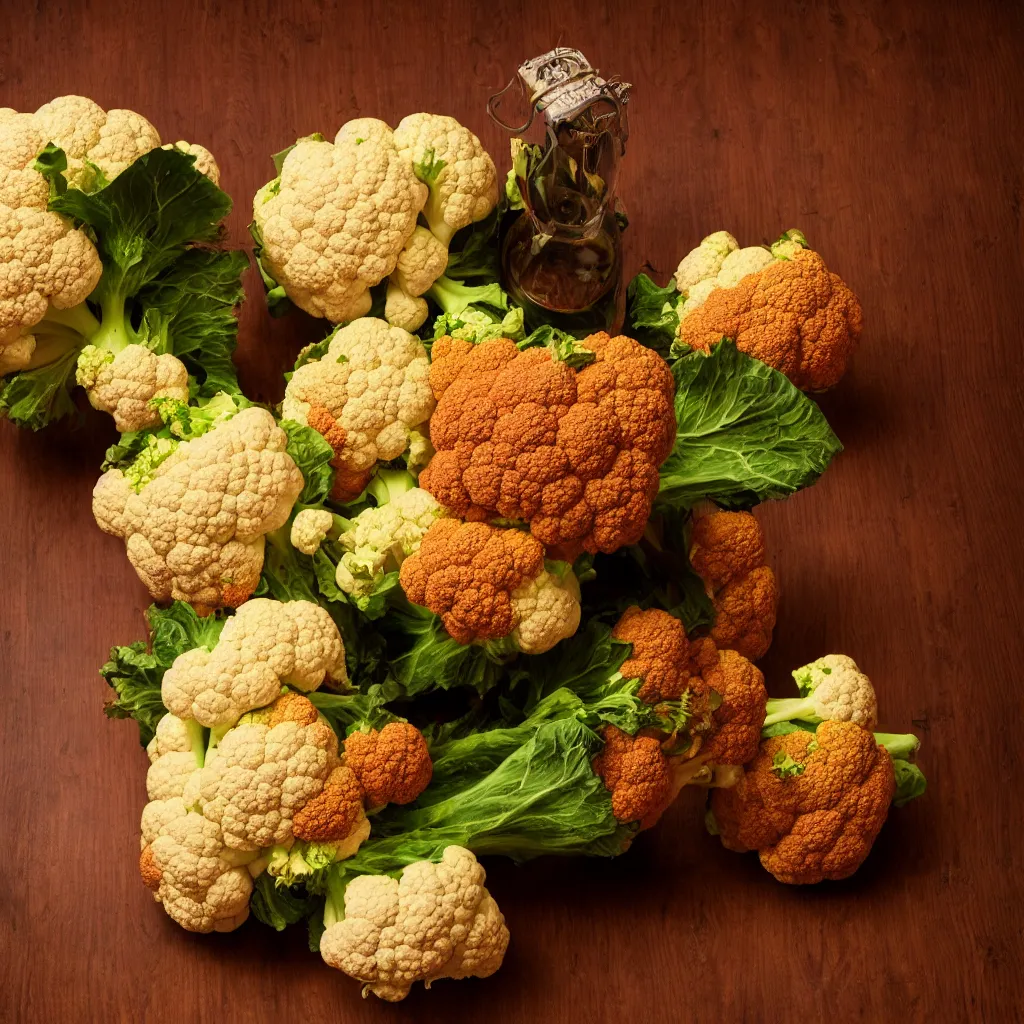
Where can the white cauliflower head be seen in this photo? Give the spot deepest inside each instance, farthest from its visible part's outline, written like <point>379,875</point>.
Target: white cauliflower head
<point>265,645</point>
<point>95,139</point>
<point>44,260</point>
<point>379,539</point>
<point>124,384</point>
<point>195,531</point>
<point>461,175</point>
<point>265,771</point>
<point>705,261</point>
<point>547,610</point>
<point>202,885</point>
<point>436,921</point>
<point>367,395</point>
<point>309,528</point>
<point>335,221</point>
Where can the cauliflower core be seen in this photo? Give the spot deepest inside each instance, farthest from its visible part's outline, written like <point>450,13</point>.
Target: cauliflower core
<point>522,436</point>
<point>366,396</point>
<point>265,645</point>
<point>436,921</point>
<point>488,583</point>
<point>335,221</point>
<point>817,817</point>
<point>195,531</point>
<point>727,550</point>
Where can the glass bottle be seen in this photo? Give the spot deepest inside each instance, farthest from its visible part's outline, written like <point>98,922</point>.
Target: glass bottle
<point>561,257</point>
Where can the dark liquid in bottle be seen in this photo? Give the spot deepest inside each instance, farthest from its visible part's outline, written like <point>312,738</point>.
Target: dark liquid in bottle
<point>571,283</point>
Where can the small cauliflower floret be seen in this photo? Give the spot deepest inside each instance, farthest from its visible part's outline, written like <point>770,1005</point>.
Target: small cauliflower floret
<point>737,265</point>
<point>195,531</point>
<point>176,754</point>
<point>366,396</point>
<point>336,220</point>
<point>421,262</point>
<point>436,921</point>
<point>636,773</point>
<point>265,645</point>
<point>262,773</point>
<point>202,885</point>
<point>94,139</point>
<point>477,578</point>
<point>48,265</point>
<point>448,158</point>
<point>392,765</point>
<point>379,539</point>
<point>404,310</point>
<point>205,162</point>
<point>123,385</point>
<point>547,608</point>
<point>811,804</point>
<point>523,436</point>
<point>832,689</point>
<point>309,528</point>
<point>736,722</point>
<point>727,550</point>
<point>705,261</point>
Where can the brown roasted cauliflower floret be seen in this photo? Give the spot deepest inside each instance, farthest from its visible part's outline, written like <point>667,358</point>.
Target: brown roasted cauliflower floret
<point>811,804</point>
<point>392,765</point>
<point>794,315</point>
<point>727,549</point>
<point>636,773</point>
<point>736,722</point>
<point>520,435</point>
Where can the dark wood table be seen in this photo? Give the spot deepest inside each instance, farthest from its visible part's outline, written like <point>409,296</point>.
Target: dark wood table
<point>893,134</point>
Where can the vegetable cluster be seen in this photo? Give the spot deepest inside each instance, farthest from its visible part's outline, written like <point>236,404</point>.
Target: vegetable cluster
<point>468,591</point>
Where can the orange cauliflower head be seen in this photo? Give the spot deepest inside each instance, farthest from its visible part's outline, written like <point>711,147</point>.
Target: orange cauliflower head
<point>636,773</point>
<point>795,315</point>
<point>393,765</point>
<point>727,550</point>
<point>488,583</point>
<point>575,454</point>
<point>811,804</point>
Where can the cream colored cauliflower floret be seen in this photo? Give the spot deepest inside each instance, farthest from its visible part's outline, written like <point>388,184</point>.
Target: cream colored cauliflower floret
<point>309,528</point>
<point>110,140</point>
<point>176,755</point>
<point>265,645</point>
<point>377,394</point>
<point>44,260</point>
<point>436,921</point>
<point>335,221</point>
<point>738,264</point>
<point>705,260</point>
<point>547,610</point>
<point>123,385</point>
<point>404,310</point>
<point>379,539</point>
<point>205,162</point>
<point>449,158</point>
<point>421,262</point>
<point>195,531</point>
<point>202,885</point>
<point>258,777</point>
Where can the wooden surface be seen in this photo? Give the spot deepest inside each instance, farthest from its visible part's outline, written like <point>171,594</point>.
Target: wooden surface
<point>892,134</point>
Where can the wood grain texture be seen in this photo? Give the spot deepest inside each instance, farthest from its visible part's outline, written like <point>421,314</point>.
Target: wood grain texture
<point>891,132</point>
